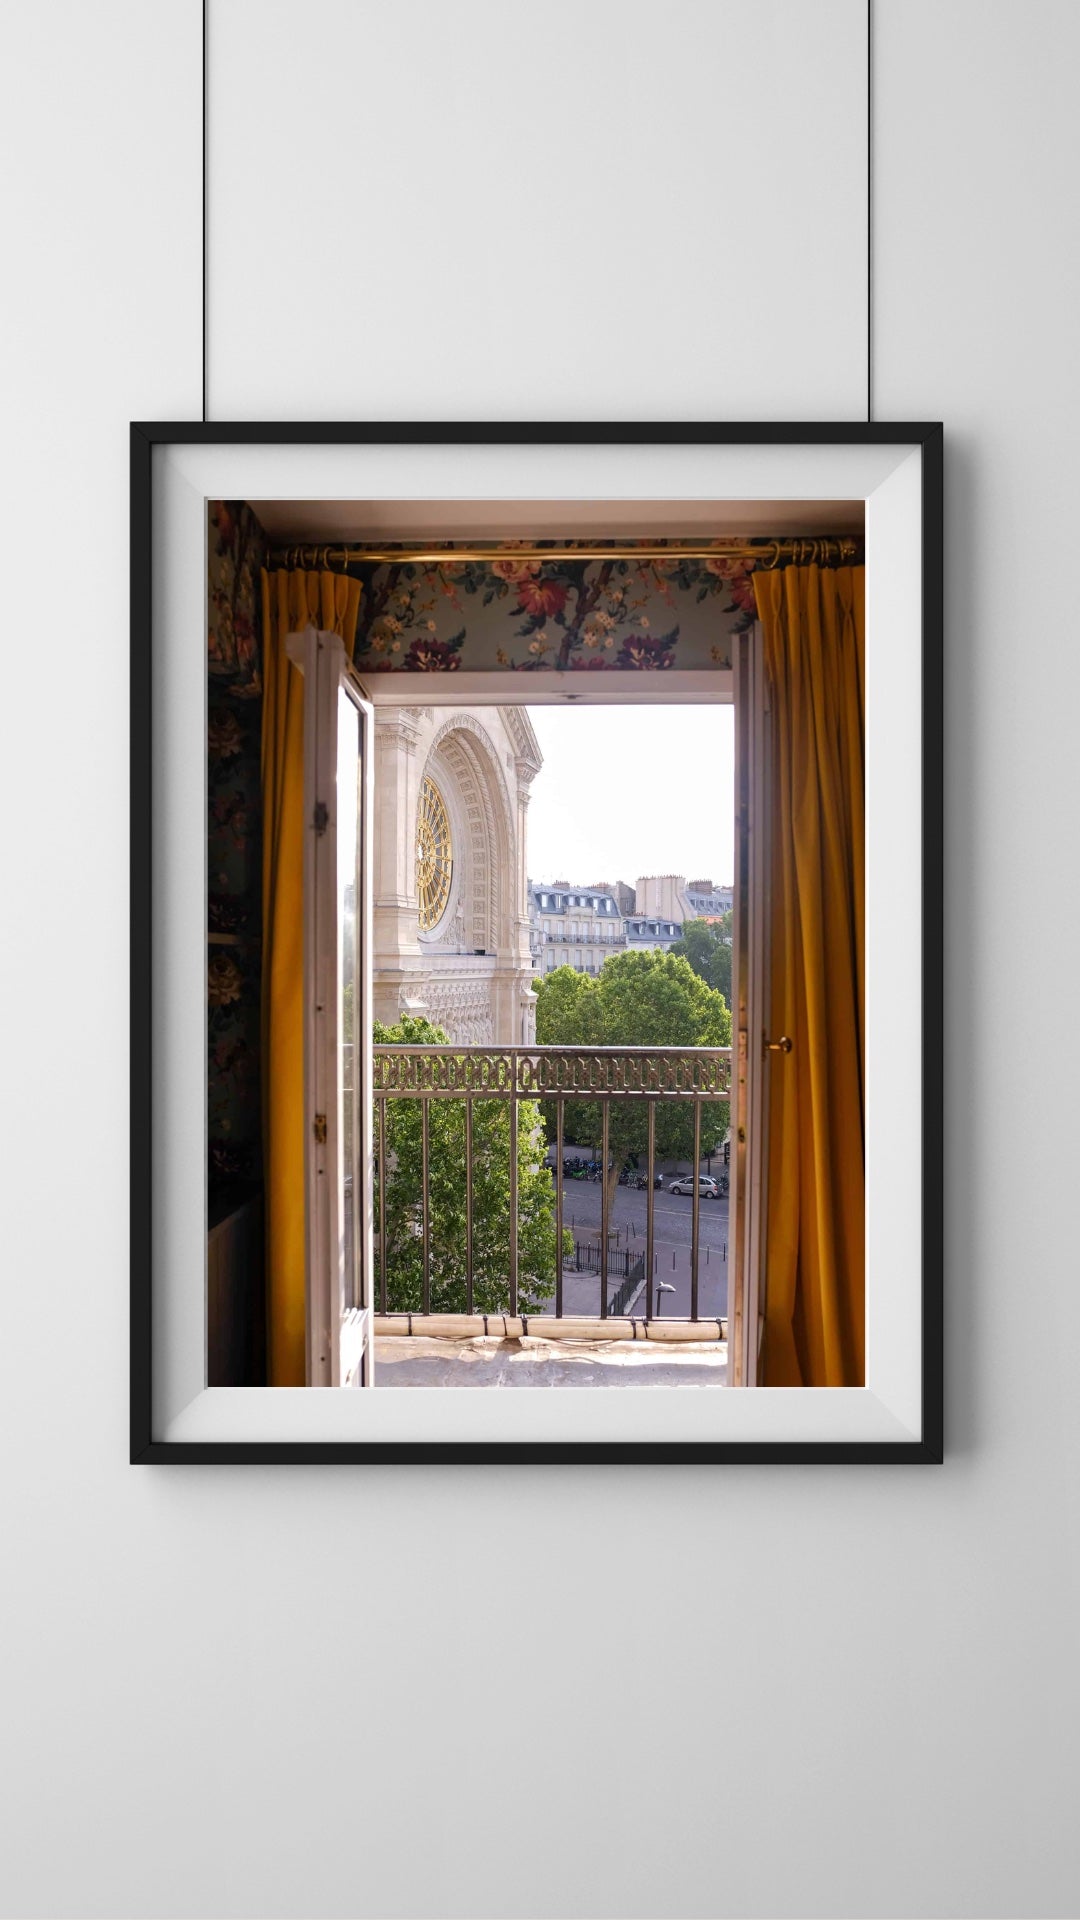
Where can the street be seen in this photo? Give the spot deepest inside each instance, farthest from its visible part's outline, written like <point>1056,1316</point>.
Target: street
<point>672,1220</point>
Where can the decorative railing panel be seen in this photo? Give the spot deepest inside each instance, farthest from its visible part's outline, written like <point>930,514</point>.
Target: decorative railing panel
<point>428,1212</point>
<point>541,1073</point>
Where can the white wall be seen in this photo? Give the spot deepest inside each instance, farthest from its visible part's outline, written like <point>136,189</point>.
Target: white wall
<point>617,1692</point>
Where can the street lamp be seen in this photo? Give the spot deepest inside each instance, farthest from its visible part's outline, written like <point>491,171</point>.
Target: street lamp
<point>662,1286</point>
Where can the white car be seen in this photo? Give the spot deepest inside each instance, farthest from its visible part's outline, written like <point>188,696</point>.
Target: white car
<point>706,1185</point>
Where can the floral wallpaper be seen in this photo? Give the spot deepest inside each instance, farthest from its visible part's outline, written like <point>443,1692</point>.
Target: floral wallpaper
<point>529,615</point>
<point>236,553</point>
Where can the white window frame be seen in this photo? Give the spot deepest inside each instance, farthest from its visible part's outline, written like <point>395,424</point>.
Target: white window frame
<point>750,977</point>
<point>339,1319</point>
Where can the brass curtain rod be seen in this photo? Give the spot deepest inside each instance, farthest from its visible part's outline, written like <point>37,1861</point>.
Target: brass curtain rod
<point>822,550</point>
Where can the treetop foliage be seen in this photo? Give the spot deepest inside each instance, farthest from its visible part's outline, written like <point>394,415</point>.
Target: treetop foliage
<point>707,946</point>
<point>638,999</point>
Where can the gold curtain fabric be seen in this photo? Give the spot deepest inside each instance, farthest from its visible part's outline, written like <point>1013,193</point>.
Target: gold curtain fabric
<point>814,626</point>
<point>290,602</point>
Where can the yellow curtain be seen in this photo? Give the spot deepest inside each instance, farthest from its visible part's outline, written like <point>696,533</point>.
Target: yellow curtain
<point>814,626</point>
<point>290,602</point>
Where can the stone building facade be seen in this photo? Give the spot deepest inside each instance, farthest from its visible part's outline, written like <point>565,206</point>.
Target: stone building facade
<point>581,927</point>
<point>643,933</point>
<point>451,900</point>
<point>661,896</point>
<point>670,896</point>
<point>706,901</point>
<point>573,926</point>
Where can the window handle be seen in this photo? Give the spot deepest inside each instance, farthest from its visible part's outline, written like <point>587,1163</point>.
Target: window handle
<point>783,1045</point>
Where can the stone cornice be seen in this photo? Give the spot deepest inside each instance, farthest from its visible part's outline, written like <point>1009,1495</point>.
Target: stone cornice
<point>399,726</point>
<point>526,745</point>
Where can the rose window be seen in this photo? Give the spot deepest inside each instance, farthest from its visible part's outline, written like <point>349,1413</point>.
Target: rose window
<point>434,855</point>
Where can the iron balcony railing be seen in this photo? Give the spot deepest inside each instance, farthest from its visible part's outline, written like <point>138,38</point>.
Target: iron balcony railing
<point>609,1077</point>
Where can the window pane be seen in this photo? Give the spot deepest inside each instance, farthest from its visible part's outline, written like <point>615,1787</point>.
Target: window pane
<point>348,802</point>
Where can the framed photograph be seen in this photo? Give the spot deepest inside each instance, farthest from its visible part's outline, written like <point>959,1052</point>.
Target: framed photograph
<point>534,829</point>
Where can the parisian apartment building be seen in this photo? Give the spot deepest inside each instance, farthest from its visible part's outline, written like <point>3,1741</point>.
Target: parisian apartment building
<point>668,896</point>
<point>572,924</point>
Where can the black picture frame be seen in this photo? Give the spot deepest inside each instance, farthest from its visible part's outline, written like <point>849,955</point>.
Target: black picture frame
<point>145,437</point>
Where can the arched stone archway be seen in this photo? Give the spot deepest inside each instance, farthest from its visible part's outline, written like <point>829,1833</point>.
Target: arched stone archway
<point>471,972</point>
<point>463,763</point>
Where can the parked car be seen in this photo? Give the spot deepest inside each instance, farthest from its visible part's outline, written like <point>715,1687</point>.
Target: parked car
<point>706,1185</point>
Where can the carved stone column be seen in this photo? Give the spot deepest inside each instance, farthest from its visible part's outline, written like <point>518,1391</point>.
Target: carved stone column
<point>396,958</point>
<point>526,767</point>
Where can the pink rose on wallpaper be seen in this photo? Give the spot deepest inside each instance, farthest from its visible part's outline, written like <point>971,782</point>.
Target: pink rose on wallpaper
<point>734,571</point>
<point>515,570</point>
<point>542,596</point>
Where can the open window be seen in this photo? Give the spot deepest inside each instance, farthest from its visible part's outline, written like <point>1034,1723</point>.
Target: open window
<point>750,975</point>
<point>346,1280</point>
<point>539,1187</point>
<point>338,797</point>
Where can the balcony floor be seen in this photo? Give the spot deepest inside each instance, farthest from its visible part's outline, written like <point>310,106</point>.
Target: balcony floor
<point>418,1361</point>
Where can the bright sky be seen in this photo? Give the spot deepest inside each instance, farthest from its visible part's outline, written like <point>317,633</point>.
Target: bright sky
<point>627,791</point>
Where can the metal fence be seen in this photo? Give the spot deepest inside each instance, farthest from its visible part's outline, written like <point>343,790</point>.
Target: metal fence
<point>648,1077</point>
<point>587,1259</point>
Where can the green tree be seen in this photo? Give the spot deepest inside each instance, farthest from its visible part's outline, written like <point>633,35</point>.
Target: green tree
<point>568,1014</point>
<point>707,946</point>
<point>447,1196</point>
<point>638,999</point>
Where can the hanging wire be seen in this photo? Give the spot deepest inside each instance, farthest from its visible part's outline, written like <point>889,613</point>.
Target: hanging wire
<point>204,221</point>
<point>869,214</point>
